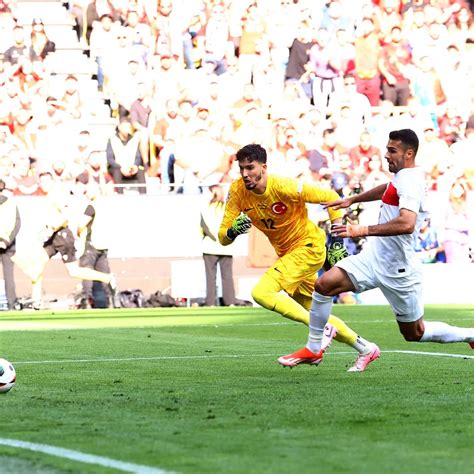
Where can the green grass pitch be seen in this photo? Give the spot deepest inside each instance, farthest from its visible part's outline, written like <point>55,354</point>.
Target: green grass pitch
<point>195,390</point>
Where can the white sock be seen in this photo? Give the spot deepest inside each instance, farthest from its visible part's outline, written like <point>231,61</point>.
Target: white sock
<point>362,346</point>
<point>318,317</point>
<point>444,333</point>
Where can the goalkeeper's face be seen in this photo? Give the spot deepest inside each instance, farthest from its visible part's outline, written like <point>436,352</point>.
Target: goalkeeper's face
<point>254,175</point>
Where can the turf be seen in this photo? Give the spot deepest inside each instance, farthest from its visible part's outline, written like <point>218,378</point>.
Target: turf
<point>199,391</point>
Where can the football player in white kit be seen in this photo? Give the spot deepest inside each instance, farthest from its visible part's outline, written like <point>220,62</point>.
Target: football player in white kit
<point>388,262</point>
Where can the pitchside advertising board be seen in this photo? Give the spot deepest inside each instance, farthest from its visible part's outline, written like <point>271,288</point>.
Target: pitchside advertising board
<point>169,226</point>
<point>138,226</point>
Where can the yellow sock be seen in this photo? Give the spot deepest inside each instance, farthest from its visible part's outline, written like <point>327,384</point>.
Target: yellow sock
<point>344,333</point>
<point>267,294</point>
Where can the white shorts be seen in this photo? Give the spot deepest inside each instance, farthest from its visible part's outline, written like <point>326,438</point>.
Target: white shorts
<point>404,293</point>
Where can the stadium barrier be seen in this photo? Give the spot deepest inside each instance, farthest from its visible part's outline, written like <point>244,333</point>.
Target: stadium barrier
<point>148,233</point>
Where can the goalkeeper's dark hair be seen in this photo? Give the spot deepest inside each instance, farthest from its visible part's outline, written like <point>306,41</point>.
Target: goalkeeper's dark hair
<point>408,138</point>
<point>252,152</point>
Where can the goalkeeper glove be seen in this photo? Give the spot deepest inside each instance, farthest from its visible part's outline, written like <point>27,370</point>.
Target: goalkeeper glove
<point>336,250</point>
<point>241,225</point>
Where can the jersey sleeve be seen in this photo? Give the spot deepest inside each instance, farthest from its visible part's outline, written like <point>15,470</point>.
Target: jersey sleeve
<point>411,194</point>
<point>232,210</point>
<point>317,195</point>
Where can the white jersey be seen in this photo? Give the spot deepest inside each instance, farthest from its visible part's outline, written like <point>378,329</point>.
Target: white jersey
<point>394,256</point>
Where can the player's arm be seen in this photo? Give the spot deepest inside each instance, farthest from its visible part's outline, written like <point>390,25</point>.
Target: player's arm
<point>335,248</point>
<point>234,222</point>
<point>374,194</point>
<point>317,195</point>
<point>403,224</point>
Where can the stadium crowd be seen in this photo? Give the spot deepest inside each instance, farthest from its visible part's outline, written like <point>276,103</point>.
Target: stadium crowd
<point>186,83</point>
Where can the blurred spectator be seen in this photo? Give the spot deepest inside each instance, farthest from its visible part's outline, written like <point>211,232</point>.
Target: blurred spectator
<point>25,129</point>
<point>456,78</point>
<point>166,76</point>
<point>462,154</point>
<point>253,49</point>
<point>456,225</point>
<point>45,183</point>
<point>427,245</point>
<point>363,152</point>
<point>298,57</point>
<point>217,45</point>
<point>450,124</point>
<point>103,45</point>
<point>288,156</point>
<point>311,125</point>
<point>426,86</point>
<point>140,111</point>
<point>376,174</point>
<point>388,16</point>
<point>335,17</point>
<point>214,253</point>
<point>92,230</point>
<point>326,69</point>
<point>348,96</point>
<point>190,170</point>
<point>325,159</point>
<point>383,121</point>
<point>367,53</point>
<point>394,65</point>
<point>123,86</point>
<point>7,172</point>
<point>125,162</point>
<point>24,174</point>
<point>433,155</point>
<point>164,129</point>
<point>94,11</point>
<point>11,222</point>
<point>41,45</point>
<point>62,176</point>
<point>169,30</point>
<point>140,35</point>
<point>18,49</point>
<point>249,97</point>
<point>71,99</point>
<point>96,170</point>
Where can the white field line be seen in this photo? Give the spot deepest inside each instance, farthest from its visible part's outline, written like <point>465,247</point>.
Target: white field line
<point>224,356</point>
<point>26,326</point>
<point>81,457</point>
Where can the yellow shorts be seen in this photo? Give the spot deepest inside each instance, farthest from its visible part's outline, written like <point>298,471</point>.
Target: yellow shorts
<point>297,270</point>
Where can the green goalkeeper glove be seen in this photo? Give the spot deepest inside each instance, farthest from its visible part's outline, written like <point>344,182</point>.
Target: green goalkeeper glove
<point>336,250</point>
<point>241,225</point>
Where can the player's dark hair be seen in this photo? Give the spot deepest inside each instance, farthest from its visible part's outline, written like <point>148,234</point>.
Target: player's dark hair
<point>407,137</point>
<point>2,185</point>
<point>252,152</point>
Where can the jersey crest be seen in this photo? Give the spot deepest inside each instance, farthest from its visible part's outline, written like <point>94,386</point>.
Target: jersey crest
<point>279,208</point>
<point>390,196</point>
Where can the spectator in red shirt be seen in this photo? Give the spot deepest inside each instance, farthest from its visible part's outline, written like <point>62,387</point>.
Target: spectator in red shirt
<point>393,64</point>
<point>367,53</point>
<point>363,153</point>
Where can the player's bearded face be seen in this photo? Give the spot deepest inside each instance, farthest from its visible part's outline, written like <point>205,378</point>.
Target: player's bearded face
<point>252,173</point>
<point>396,156</point>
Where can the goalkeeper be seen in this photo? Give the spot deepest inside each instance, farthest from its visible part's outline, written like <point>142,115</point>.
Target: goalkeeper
<point>277,206</point>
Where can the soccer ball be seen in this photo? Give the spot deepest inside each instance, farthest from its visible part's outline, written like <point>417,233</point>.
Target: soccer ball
<point>7,376</point>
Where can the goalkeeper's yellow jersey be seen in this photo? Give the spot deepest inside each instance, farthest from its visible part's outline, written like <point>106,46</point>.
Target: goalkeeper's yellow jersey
<point>280,212</point>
